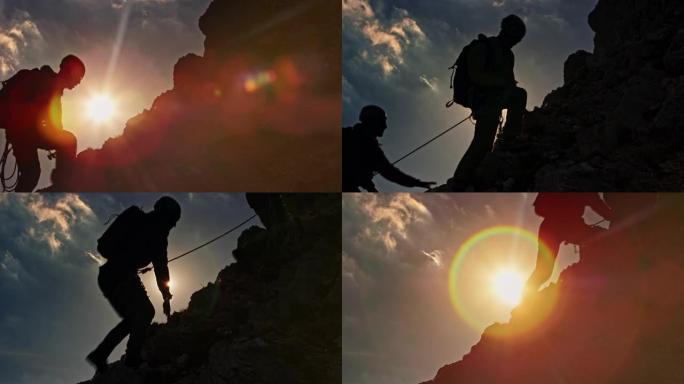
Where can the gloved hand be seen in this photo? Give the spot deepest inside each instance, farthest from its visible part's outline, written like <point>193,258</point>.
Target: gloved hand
<point>167,307</point>
<point>425,184</point>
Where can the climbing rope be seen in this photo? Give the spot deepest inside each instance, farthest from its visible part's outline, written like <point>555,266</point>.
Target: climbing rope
<point>4,179</point>
<point>596,224</point>
<point>226,233</point>
<point>433,139</point>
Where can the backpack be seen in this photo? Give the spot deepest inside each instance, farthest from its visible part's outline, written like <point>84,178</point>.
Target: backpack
<point>121,237</point>
<point>22,83</point>
<point>460,76</point>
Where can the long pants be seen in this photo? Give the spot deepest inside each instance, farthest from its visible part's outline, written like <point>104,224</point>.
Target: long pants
<point>128,297</point>
<point>515,101</point>
<point>26,153</point>
<point>553,234</point>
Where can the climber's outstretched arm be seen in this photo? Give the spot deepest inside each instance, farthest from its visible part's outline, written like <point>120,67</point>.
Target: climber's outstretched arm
<point>600,206</point>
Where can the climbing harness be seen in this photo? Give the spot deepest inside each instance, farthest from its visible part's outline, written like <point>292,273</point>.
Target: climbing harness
<point>4,178</point>
<point>226,233</point>
<point>433,139</point>
<point>598,222</point>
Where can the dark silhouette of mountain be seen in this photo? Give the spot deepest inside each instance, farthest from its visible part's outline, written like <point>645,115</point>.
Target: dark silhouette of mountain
<point>613,317</point>
<point>616,122</point>
<point>273,316</point>
<point>257,112</point>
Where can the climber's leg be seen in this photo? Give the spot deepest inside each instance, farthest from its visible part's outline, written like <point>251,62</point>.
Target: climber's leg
<point>515,103</point>
<point>483,139</point>
<point>549,245</point>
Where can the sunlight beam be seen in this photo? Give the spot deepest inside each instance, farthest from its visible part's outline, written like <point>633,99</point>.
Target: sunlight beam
<point>118,43</point>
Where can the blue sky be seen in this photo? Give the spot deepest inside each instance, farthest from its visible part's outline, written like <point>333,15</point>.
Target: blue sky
<point>398,323</point>
<point>52,312</point>
<point>396,54</point>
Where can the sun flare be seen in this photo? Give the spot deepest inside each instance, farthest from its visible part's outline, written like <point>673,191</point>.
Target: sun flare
<point>101,109</point>
<point>507,285</point>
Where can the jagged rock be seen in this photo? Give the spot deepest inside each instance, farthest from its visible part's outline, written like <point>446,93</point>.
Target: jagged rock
<point>614,317</point>
<point>576,65</point>
<point>273,316</point>
<point>674,58</point>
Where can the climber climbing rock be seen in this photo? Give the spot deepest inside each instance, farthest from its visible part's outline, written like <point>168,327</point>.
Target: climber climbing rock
<point>131,242</point>
<point>484,82</point>
<point>563,222</point>
<point>32,117</point>
<point>362,156</point>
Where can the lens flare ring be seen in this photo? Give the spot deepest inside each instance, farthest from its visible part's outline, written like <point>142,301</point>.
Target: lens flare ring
<point>474,240</point>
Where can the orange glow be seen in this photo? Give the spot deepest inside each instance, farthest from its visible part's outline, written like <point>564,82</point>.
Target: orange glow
<point>507,286</point>
<point>101,108</point>
<point>259,80</point>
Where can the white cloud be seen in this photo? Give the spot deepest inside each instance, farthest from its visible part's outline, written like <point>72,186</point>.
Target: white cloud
<point>11,268</point>
<point>391,216</point>
<point>352,272</point>
<point>16,35</point>
<point>59,216</point>
<point>96,258</point>
<point>491,213</point>
<point>388,40</point>
<point>430,82</point>
<point>357,8</point>
<point>435,256</point>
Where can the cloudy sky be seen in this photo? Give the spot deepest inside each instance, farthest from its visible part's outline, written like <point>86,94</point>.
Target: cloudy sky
<point>396,54</point>
<point>52,312</point>
<point>153,35</point>
<point>399,326</point>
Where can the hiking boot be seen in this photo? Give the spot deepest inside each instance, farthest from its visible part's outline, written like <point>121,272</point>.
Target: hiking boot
<point>98,362</point>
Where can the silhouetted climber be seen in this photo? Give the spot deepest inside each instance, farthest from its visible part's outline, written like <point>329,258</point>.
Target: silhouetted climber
<point>563,222</point>
<point>362,156</point>
<point>33,120</point>
<point>131,242</point>
<point>484,82</point>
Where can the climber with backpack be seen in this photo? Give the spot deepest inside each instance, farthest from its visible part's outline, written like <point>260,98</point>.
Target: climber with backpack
<point>362,156</point>
<point>563,222</point>
<point>31,114</point>
<point>483,80</point>
<point>134,240</point>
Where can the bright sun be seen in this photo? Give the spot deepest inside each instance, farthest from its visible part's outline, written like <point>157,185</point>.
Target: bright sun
<point>508,286</point>
<point>101,109</point>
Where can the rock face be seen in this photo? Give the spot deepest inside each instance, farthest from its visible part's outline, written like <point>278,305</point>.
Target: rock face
<point>617,122</point>
<point>274,316</point>
<point>614,317</point>
<point>252,114</point>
